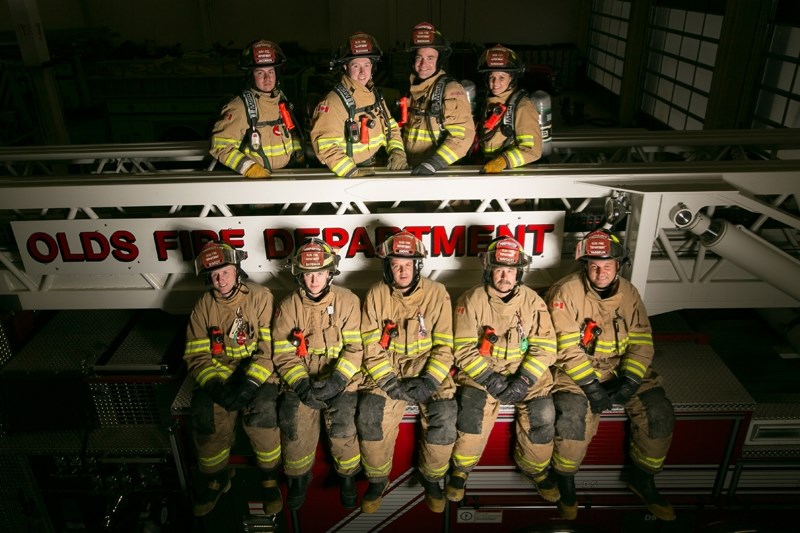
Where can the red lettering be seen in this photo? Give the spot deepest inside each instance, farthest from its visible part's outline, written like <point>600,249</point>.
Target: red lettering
<point>382,232</point>
<point>275,237</point>
<point>444,246</point>
<point>539,231</point>
<point>200,237</point>
<point>88,240</point>
<point>504,231</point>
<point>360,243</point>
<point>478,237</point>
<point>186,245</point>
<point>66,254</point>
<point>336,237</point>
<point>124,249</point>
<point>32,245</point>
<point>164,241</point>
<point>232,236</point>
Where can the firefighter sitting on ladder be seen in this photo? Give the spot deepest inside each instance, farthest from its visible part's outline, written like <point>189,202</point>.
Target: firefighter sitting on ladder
<point>352,122</point>
<point>509,134</point>
<point>440,128</point>
<point>228,352</point>
<point>317,351</point>
<point>257,133</point>
<point>408,352</point>
<point>504,345</point>
<point>617,373</point>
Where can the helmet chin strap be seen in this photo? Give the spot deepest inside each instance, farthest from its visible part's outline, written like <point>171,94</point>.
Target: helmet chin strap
<point>234,291</point>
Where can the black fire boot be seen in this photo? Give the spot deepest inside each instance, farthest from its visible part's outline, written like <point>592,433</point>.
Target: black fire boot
<point>546,485</point>
<point>568,501</point>
<point>454,491</point>
<point>348,493</point>
<point>643,485</point>
<point>215,486</point>
<point>273,503</point>
<point>297,491</point>
<point>373,496</point>
<point>434,497</point>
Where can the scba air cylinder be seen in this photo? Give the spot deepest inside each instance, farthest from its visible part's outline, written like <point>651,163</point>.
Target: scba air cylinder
<point>543,103</point>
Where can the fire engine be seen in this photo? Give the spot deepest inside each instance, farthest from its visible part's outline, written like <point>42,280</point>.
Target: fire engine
<point>97,281</point>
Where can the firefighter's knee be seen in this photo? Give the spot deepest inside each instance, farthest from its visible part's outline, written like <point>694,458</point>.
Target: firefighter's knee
<point>369,419</point>
<point>660,413</point>
<point>542,417</point>
<point>470,413</point>
<point>287,414</point>
<point>263,411</point>
<point>342,415</point>
<point>570,415</point>
<point>202,410</point>
<point>442,422</point>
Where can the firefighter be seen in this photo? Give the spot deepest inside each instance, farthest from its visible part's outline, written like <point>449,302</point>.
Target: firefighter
<point>352,122</point>
<point>256,132</point>
<point>504,345</point>
<point>509,134</point>
<point>317,351</point>
<point>408,353</point>
<point>440,128</point>
<point>228,352</point>
<point>605,349</point>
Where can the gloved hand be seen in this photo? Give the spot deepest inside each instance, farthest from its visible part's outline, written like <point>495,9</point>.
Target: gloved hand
<point>517,389</point>
<point>242,394</point>
<point>391,386</point>
<point>429,167</point>
<point>333,386</point>
<point>362,172</point>
<point>598,397</point>
<point>219,392</point>
<point>495,165</point>
<point>304,390</point>
<point>397,160</point>
<point>625,391</point>
<point>494,382</point>
<point>299,158</point>
<point>421,388</point>
<point>256,171</point>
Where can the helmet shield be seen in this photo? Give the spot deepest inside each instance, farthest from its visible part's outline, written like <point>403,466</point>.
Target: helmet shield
<point>600,244</point>
<point>314,255</point>
<point>216,254</point>
<point>505,252</point>
<point>498,58</point>
<point>261,54</point>
<point>403,245</point>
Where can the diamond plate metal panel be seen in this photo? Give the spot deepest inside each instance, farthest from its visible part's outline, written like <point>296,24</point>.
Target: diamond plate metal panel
<point>71,342</point>
<point>21,505</point>
<point>145,346</point>
<point>696,379</point>
<point>5,346</point>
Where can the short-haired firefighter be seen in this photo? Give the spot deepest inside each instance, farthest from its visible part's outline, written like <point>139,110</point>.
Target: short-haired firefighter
<point>407,330</point>
<point>228,349</point>
<point>317,351</point>
<point>605,349</point>
<point>504,345</point>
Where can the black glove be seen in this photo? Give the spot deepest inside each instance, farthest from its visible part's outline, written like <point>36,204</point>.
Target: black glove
<point>625,391</point>
<point>517,389</point>
<point>429,167</point>
<point>333,386</point>
<point>306,393</point>
<point>219,392</point>
<point>241,396</point>
<point>420,388</point>
<point>598,397</point>
<point>393,389</point>
<point>494,382</point>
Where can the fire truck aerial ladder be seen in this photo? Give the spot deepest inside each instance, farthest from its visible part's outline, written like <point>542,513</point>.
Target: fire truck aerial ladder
<point>107,234</point>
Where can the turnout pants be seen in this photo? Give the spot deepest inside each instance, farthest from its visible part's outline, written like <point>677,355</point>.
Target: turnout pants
<point>651,414</point>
